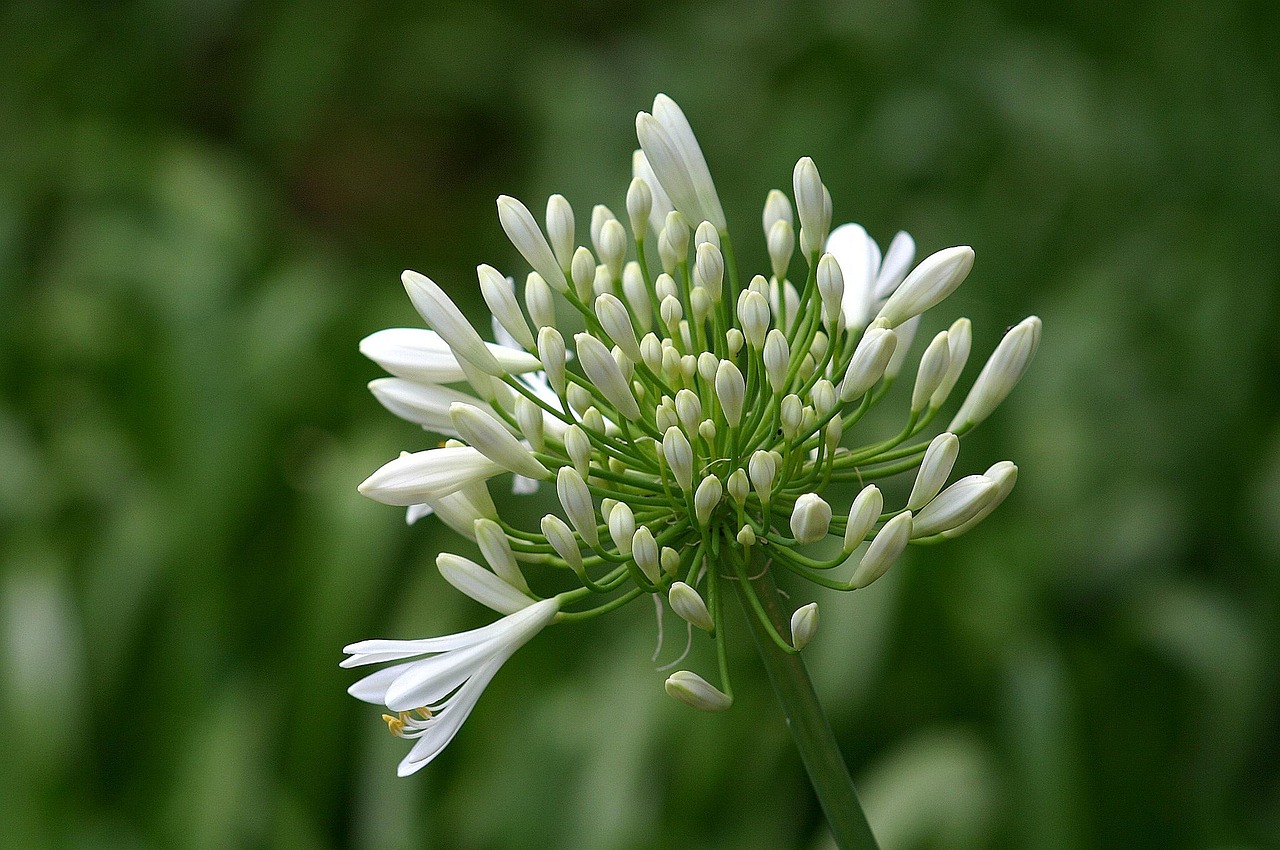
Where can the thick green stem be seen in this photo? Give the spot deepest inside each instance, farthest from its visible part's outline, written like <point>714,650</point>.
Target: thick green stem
<point>808,723</point>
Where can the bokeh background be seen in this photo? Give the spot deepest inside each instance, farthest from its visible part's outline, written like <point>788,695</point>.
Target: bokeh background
<point>205,205</point>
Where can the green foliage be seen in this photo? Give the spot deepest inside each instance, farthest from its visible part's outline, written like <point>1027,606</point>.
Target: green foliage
<point>203,207</point>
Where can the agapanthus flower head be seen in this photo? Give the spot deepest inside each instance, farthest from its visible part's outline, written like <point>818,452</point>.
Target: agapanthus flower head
<point>700,424</point>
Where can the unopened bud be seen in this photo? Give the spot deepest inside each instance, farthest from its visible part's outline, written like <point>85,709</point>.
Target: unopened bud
<point>863,515</point>
<point>810,519</point>
<point>706,498</point>
<point>696,692</point>
<point>689,606</point>
<point>885,549</point>
<point>804,625</point>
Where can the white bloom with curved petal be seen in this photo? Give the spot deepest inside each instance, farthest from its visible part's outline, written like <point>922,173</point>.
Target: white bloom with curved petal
<point>444,686</point>
<point>421,355</point>
<point>427,476</point>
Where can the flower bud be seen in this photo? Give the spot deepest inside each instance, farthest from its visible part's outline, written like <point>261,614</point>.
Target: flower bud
<point>708,269</point>
<point>677,160</point>
<point>935,468</point>
<point>776,208</point>
<point>933,368</point>
<point>734,340</point>
<point>560,228</point>
<point>644,550</point>
<point>959,341</point>
<point>492,439</point>
<point>706,234</point>
<point>868,364</point>
<point>830,288</point>
<point>863,515</point>
<point>1004,474</point>
<point>700,304</point>
<point>739,486</point>
<point>671,311</point>
<point>636,292</point>
<point>833,433</point>
<point>763,467</point>
<point>707,431</point>
<point>753,314</point>
<point>496,549</point>
<point>616,321</point>
<point>561,538</point>
<point>791,415</point>
<point>578,447</point>
<point>670,560</point>
<point>679,455</point>
<point>532,422</point>
<point>522,230</point>
<point>885,548</point>
<point>622,527</point>
<point>811,205</point>
<point>582,270</point>
<point>955,506</point>
<point>551,352</point>
<point>651,352</point>
<point>804,625</point>
<point>603,371</point>
<point>746,537</point>
<point>612,247</point>
<point>439,311</point>
<point>999,376</point>
<point>777,359</point>
<point>929,283</point>
<point>731,389</point>
<point>688,605</point>
<point>810,518</point>
<point>576,499</point>
<point>580,401</point>
<point>689,410</point>
<point>639,203</point>
<point>500,296</point>
<point>706,498</point>
<point>781,243</point>
<point>675,232</point>
<point>481,585</point>
<point>696,692</point>
<point>538,301</point>
<point>824,397</point>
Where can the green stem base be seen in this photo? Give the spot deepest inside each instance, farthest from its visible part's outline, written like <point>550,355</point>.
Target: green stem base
<point>808,723</point>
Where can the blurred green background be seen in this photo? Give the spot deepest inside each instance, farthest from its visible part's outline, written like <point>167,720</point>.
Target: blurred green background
<point>205,205</point>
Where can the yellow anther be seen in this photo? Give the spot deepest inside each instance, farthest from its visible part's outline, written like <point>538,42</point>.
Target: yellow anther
<point>424,712</point>
<point>394,724</point>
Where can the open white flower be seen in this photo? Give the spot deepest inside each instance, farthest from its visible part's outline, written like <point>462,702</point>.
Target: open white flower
<point>433,694</point>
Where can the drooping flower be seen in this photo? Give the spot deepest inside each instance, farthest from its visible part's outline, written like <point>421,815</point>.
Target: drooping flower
<point>693,419</point>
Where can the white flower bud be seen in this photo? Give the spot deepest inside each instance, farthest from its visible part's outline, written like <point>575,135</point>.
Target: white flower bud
<point>696,692</point>
<point>689,366</point>
<point>622,527</point>
<point>439,311</point>
<point>673,153</point>
<point>863,515</point>
<point>763,468</point>
<point>830,288</point>
<point>582,270</point>
<point>708,365</point>
<point>753,314</point>
<point>679,455</point>
<point>626,366</point>
<point>824,396</point>
<point>580,399</point>
<point>929,283</point>
<point>689,606</point>
<point>665,287</point>
<point>592,418</point>
<point>781,244</point>
<point>576,499</point>
<point>670,560</point>
<point>731,389</point>
<point>671,311</point>
<point>707,430</point>
<point>734,340</point>
<point>602,282</point>
<point>612,248</point>
<point>689,410</point>
<point>885,549</point>
<point>500,296</point>
<point>933,367</point>
<point>639,204</point>
<point>906,335</point>
<point>804,625</point>
<point>492,439</point>
<point>777,359</point>
<point>481,585</point>
<point>532,422</point>
<point>810,519</point>
<point>759,284</point>
<point>496,549</point>
<point>955,506</point>
<point>791,415</point>
<point>521,228</point>
<point>699,304</point>
<point>959,341</point>
<point>935,468</point>
<point>1004,474</point>
<point>811,204</point>
<point>776,208</point>
<point>644,550</point>
<point>578,447</point>
<point>560,227</point>
<point>705,499</point>
<point>706,233</point>
<point>833,432</point>
<point>603,371</point>
<point>637,295</point>
<point>671,364</point>
<point>746,537</point>
<point>739,486</point>
<point>651,352</point>
<point>600,215</point>
<point>870,359</point>
<point>999,376</point>
<point>676,234</point>
<point>551,352</point>
<point>561,538</point>
<point>539,301</point>
<point>708,269</point>
<point>616,321</point>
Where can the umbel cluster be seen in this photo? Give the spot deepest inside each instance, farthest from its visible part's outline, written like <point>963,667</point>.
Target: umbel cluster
<point>691,426</point>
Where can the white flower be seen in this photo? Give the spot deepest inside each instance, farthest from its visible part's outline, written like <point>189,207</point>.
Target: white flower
<point>423,356</point>
<point>868,279</point>
<point>433,695</point>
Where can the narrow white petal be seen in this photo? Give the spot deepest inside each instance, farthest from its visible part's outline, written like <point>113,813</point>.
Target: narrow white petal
<point>421,355</point>
<point>427,476</point>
